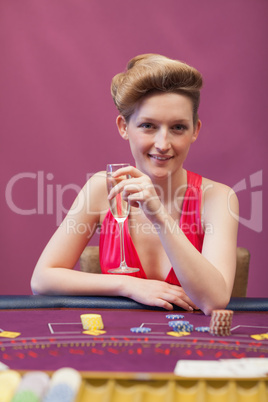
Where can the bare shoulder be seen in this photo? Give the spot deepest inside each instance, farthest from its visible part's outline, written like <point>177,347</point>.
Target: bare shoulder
<point>212,188</point>
<point>218,196</point>
<point>97,180</point>
<point>95,191</point>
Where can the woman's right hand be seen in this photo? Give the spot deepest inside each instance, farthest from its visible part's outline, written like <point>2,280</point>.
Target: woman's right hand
<point>157,293</point>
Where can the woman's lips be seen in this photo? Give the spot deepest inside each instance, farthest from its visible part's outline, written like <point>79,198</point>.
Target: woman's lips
<point>161,158</point>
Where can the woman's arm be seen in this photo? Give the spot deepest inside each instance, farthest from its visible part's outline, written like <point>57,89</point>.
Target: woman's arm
<point>54,272</point>
<point>206,277</point>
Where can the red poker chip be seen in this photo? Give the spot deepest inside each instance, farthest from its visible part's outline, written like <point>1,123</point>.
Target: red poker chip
<point>220,322</point>
<point>219,318</point>
<point>222,311</point>
<point>219,327</point>
<point>220,333</point>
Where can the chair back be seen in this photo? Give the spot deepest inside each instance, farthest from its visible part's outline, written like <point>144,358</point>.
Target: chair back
<point>89,262</point>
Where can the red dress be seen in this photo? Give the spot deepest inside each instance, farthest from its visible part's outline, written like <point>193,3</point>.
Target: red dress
<point>190,224</point>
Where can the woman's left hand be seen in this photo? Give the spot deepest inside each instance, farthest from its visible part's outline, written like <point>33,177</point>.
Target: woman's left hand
<point>138,191</point>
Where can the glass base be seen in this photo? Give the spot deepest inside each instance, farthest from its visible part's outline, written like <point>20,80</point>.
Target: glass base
<point>123,270</point>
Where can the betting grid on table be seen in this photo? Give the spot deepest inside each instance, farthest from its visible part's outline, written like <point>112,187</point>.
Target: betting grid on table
<point>51,339</point>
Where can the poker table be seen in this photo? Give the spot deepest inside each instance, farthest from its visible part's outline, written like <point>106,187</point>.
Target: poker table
<point>45,333</point>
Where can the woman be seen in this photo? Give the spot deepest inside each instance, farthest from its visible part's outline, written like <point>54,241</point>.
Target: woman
<point>187,254</point>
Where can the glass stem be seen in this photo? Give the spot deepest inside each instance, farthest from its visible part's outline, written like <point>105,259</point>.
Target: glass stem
<point>122,246</point>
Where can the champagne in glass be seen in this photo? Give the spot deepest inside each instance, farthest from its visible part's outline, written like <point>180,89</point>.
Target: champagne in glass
<point>120,210</point>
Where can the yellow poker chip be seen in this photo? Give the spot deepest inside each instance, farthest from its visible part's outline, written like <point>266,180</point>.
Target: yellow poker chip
<point>92,321</point>
<point>178,334</point>
<point>9,382</point>
<point>260,337</point>
<point>9,334</point>
<point>94,332</point>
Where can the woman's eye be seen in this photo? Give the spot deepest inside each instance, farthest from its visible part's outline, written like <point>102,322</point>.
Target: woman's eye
<point>146,125</point>
<point>180,127</point>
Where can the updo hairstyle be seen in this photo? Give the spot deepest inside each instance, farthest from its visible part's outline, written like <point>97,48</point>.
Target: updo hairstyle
<point>152,72</point>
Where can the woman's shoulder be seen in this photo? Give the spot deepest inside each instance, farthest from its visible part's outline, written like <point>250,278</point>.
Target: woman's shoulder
<point>95,190</point>
<point>218,196</point>
<point>212,188</point>
<point>97,179</point>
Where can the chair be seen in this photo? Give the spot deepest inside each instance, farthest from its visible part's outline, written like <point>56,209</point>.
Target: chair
<point>241,275</point>
<point>89,262</point>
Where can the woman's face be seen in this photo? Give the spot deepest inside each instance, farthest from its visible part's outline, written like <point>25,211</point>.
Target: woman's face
<point>160,133</point>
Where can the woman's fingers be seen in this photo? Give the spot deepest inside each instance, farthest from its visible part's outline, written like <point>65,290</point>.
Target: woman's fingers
<point>176,295</point>
<point>161,294</point>
<point>127,186</point>
<point>131,170</point>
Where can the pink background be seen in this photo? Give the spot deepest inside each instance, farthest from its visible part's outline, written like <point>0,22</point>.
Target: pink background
<point>58,118</point>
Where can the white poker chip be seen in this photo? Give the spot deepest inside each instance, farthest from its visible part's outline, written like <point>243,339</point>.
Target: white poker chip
<point>202,329</point>
<point>67,376</point>
<point>178,323</point>
<point>140,330</point>
<point>175,316</point>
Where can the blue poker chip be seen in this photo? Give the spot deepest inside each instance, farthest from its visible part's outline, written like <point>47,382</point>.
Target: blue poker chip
<point>184,328</point>
<point>175,316</point>
<point>60,393</point>
<point>177,323</point>
<point>140,330</point>
<point>202,329</point>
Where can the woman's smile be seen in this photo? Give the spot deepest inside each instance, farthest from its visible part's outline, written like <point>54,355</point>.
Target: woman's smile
<point>160,158</point>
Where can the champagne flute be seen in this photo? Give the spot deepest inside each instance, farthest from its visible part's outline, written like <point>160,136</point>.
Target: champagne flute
<point>120,210</point>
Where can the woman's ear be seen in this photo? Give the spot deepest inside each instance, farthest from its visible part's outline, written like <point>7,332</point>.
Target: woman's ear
<point>196,130</point>
<point>122,126</point>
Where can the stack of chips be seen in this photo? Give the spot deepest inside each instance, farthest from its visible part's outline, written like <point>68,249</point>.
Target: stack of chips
<point>32,387</point>
<point>181,326</point>
<point>64,386</point>
<point>220,323</point>
<point>9,382</point>
<point>140,330</point>
<point>92,321</point>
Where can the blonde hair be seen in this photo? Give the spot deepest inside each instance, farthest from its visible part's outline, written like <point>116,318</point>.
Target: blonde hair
<point>153,72</point>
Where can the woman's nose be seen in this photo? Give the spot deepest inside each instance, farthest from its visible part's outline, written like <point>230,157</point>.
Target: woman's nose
<point>162,142</point>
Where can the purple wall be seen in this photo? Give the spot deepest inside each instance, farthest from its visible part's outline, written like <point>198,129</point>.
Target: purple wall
<point>58,118</point>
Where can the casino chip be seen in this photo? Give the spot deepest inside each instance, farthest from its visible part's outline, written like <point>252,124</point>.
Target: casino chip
<point>184,328</point>
<point>175,316</point>
<point>177,323</point>
<point>202,329</point>
<point>92,321</point>
<point>140,330</point>
<point>220,323</point>
<point>60,393</point>
<point>32,387</point>
<point>181,326</point>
